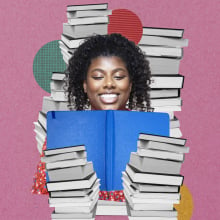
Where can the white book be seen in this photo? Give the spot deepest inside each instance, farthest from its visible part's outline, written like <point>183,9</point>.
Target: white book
<point>76,204</point>
<point>136,200</point>
<point>151,218</point>
<point>148,206</point>
<point>106,207</point>
<point>142,187</point>
<point>70,42</point>
<point>65,48</point>
<point>76,209</point>
<point>66,53</point>
<point>83,31</point>
<point>174,123</point>
<point>69,216</point>
<point>166,155</point>
<point>154,145</point>
<point>88,13</point>
<point>40,138</point>
<point>163,139</point>
<point>69,185</point>
<point>40,148</point>
<point>167,82</point>
<point>59,95</point>
<point>66,59</point>
<point>87,7</point>
<point>80,172</point>
<point>175,132</point>
<point>42,119</point>
<point>50,105</point>
<point>66,163</point>
<point>146,195</point>
<point>158,51</point>
<point>163,32</point>
<point>163,41</point>
<point>82,199</point>
<point>58,76</point>
<point>111,210</point>
<point>64,150</point>
<point>166,102</point>
<point>163,93</point>
<point>74,193</point>
<point>40,135</point>
<point>39,129</point>
<point>150,178</point>
<point>88,20</point>
<point>57,85</point>
<point>168,109</point>
<point>64,156</point>
<point>164,65</point>
<point>154,165</point>
<point>151,213</point>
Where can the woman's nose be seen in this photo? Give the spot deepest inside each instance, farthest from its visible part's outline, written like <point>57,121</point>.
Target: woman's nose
<point>109,82</point>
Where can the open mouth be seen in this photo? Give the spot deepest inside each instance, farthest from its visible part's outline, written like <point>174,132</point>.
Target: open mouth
<point>109,98</point>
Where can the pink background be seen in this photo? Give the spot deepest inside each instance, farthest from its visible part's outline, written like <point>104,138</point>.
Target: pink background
<point>27,25</point>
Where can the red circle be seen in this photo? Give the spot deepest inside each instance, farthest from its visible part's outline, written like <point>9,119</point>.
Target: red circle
<point>127,23</point>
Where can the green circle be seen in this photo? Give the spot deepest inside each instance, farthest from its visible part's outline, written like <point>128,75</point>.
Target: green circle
<point>47,60</point>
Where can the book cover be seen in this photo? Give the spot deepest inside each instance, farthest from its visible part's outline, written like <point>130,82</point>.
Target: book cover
<point>26,26</point>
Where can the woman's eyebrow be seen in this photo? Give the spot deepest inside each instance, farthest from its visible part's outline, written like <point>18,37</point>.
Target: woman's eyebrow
<point>114,70</point>
<point>98,70</point>
<point>119,69</point>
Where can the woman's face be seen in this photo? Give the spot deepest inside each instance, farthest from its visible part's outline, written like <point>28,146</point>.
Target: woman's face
<point>107,84</point>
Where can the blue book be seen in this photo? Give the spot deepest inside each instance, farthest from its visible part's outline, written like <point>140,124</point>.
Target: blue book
<point>109,136</point>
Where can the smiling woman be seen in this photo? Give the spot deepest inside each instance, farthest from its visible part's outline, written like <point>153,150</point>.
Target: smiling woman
<point>107,84</point>
<point>108,72</point>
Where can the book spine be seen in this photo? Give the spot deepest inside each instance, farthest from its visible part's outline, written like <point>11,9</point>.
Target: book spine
<point>109,149</point>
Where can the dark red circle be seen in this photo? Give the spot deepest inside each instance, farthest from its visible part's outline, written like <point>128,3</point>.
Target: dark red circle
<point>127,23</point>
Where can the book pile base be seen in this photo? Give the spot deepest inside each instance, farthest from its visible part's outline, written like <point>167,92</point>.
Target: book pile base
<point>72,183</point>
<point>111,208</point>
<point>152,178</point>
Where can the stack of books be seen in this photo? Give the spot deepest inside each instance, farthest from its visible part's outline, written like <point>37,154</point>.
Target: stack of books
<point>40,129</point>
<point>152,178</point>
<point>164,50</point>
<point>58,100</point>
<point>57,87</point>
<point>71,182</point>
<point>82,21</point>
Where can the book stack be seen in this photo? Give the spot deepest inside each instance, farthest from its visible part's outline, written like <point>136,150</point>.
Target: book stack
<point>152,178</point>
<point>57,87</point>
<point>82,21</point>
<point>164,50</point>
<point>71,182</point>
<point>58,100</point>
<point>40,129</point>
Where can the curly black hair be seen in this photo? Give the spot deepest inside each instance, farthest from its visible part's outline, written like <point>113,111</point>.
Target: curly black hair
<point>109,45</point>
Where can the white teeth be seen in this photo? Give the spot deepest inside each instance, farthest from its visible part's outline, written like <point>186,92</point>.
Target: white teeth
<point>108,95</point>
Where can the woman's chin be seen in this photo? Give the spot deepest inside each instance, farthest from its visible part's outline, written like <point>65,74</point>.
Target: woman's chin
<point>109,107</point>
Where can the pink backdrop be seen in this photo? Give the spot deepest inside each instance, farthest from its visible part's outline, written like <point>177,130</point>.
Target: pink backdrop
<point>27,25</point>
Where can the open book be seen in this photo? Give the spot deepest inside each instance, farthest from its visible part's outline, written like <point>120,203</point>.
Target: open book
<point>109,136</point>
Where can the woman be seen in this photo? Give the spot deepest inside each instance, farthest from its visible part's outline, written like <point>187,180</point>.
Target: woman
<point>105,72</point>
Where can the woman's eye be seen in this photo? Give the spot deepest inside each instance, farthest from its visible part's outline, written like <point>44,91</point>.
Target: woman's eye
<point>119,77</point>
<point>97,77</point>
